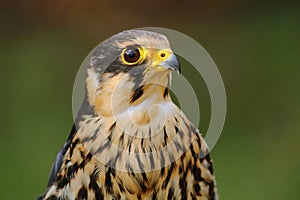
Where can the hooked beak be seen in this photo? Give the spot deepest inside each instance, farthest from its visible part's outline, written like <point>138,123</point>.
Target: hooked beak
<point>171,63</point>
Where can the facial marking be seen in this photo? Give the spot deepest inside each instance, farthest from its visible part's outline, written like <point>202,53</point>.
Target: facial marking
<point>92,82</point>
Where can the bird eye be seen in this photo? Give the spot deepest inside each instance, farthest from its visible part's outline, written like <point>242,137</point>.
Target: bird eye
<point>131,56</point>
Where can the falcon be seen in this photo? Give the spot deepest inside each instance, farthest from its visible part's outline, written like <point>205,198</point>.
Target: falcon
<point>129,140</point>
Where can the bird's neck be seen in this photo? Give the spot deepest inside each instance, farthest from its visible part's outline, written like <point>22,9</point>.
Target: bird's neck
<point>125,96</point>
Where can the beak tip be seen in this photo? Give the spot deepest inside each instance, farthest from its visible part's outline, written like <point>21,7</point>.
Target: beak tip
<point>171,63</point>
<point>174,63</point>
<point>179,68</point>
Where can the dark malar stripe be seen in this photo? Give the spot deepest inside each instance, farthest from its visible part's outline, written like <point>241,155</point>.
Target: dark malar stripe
<point>137,94</point>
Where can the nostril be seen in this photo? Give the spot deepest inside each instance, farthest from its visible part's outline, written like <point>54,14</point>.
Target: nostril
<point>162,55</point>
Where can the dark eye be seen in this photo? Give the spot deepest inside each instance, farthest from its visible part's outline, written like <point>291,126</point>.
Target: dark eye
<point>131,56</point>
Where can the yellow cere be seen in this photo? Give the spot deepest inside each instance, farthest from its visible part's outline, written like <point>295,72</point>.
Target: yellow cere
<point>159,56</point>
<point>162,55</point>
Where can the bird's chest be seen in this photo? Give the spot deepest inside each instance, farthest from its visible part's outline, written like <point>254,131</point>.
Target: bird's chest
<point>130,160</point>
<point>124,185</point>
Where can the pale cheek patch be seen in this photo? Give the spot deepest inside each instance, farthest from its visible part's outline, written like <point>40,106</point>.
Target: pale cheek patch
<point>92,83</point>
<point>113,94</point>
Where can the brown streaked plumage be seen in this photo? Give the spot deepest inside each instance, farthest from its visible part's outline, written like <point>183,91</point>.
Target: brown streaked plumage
<point>130,141</point>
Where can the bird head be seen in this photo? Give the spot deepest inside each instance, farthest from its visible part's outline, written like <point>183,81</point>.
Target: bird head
<point>131,69</point>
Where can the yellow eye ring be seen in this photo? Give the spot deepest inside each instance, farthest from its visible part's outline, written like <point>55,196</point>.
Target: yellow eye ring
<point>133,55</point>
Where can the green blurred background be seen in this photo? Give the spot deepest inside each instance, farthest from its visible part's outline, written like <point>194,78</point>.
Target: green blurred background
<point>255,44</point>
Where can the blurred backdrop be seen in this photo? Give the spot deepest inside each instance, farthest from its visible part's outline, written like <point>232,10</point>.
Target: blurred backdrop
<point>255,44</point>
